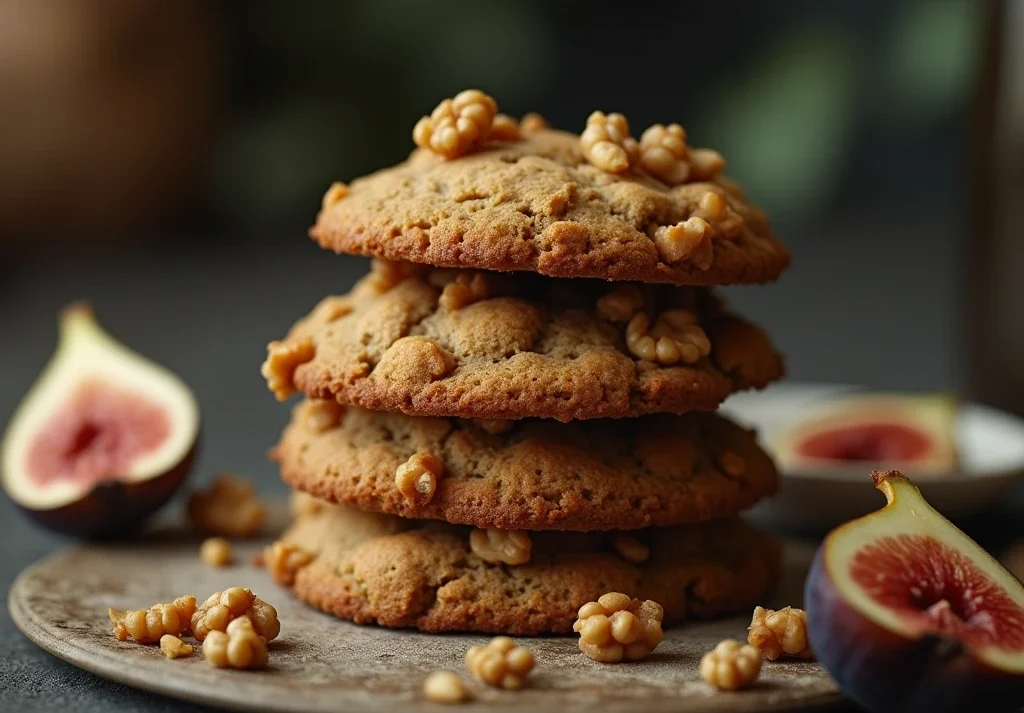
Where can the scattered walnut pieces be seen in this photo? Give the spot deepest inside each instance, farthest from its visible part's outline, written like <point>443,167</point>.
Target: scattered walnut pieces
<point>631,549</point>
<point>689,240</point>
<point>675,337</point>
<point>229,508</point>
<point>283,358</point>
<point>705,164</point>
<point>464,290</point>
<point>621,303</point>
<point>221,608</point>
<point>240,646</point>
<point>146,626</point>
<point>616,628</point>
<point>714,208</point>
<point>531,122</point>
<point>504,128</point>
<point>283,561</point>
<point>506,546</point>
<point>731,463</point>
<point>731,665</point>
<point>216,552</point>
<point>444,687</point>
<point>606,142</point>
<point>780,633</point>
<point>501,663</point>
<point>173,647</point>
<point>417,478</point>
<point>663,153</point>
<point>457,125</point>
<point>335,193</point>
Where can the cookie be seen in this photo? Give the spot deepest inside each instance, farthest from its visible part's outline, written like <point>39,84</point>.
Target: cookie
<point>538,205</point>
<point>534,474</point>
<point>488,345</point>
<point>407,573</point>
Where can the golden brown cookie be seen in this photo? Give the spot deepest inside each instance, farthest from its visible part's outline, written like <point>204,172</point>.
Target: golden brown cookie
<point>489,345</point>
<point>535,474</point>
<point>407,573</point>
<point>538,205</point>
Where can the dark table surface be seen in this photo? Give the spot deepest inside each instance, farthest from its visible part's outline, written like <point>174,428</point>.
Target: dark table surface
<point>208,314</point>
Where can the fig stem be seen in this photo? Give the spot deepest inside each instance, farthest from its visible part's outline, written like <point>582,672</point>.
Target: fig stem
<point>886,480</point>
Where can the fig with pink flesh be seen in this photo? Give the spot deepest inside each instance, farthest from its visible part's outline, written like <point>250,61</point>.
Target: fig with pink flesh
<point>908,613</point>
<point>104,437</point>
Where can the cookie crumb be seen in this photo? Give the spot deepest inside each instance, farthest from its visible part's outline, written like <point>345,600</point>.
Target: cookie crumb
<point>500,663</point>
<point>216,552</point>
<point>283,358</point>
<point>417,478</point>
<point>780,633</point>
<point>606,142</point>
<point>731,665</point>
<point>457,125</point>
<point>239,646</point>
<point>173,647</point>
<point>230,508</point>
<point>617,628</point>
<point>222,608</point>
<point>147,626</point>
<point>444,687</point>
<point>510,547</point>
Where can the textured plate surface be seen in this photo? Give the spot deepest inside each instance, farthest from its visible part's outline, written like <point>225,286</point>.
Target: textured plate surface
<point>322,664</point>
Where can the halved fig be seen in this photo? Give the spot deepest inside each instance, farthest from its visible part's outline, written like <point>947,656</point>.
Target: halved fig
<point>908,613</point>
<point>102,439</point>
<point>910,431</point>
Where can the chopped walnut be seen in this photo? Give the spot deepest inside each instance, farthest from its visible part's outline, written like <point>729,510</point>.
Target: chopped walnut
<point>689,240</point>
<point>531,122</point>
<point>494,426</point>
<point>239,646</point>
<point>501,663</point>
<point>606,142</point>
<point>305,504</point>
<point>335,193</point>
<point>323,414</point>
<point>464,290</point>
<point>621,303</point>
<point>631,549</point>
<point>674,337</point>
<point>216,552</point>
<point>705,164</point>
<point>504,128</point>
<point>444,687</point>
<point>146,626</point>
<point>731,665</point>
<point>456,125</point>
<point>221,608</point>
<point>229,508</point>
<point>714,208</point>
<point>663,153</point>
<point>385,274</point>
<point>616,628</point>
<point>173,647</point>
<point>731,463</point>
<point>283,358</point>
<point>780,633</point>
<point>507,546</point>
<point>283,561</point>
<point>417,478</point>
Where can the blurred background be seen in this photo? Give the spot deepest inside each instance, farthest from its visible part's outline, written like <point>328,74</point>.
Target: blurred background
<point>164,160</point>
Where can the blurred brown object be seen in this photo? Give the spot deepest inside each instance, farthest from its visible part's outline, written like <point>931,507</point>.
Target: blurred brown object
<point>107,111</point>
<point>1013,559</point>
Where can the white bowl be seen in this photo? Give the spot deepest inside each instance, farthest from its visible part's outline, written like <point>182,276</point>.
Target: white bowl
<point>990,444</point>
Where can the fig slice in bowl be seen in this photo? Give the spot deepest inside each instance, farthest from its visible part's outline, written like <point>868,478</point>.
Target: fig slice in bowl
<point>102,439</point>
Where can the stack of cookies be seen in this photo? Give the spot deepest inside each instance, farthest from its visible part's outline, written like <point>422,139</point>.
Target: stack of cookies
<point>512,413</point>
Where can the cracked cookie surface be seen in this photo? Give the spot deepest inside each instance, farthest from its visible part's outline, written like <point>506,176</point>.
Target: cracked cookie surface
<point>538,205</point>
<point>386,570</point>
<point>508,346</point>
<point>536,474</point>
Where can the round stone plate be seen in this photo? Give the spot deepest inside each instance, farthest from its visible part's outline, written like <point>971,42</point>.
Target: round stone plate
<point>320,663</point>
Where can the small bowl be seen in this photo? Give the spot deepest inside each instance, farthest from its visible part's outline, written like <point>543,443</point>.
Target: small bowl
<point>990,445</point>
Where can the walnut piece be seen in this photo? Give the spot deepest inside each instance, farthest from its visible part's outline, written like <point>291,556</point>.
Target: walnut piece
<point>731,665</point>
<point>675,337</point>
<point>532,122</point>
<point>616,628</point>
<point>283,561</point>
<point>335,193</point>
<point>689,241</point>
<point>715,209</point>
<point>705,164</point>
<point>494,426</point>
<point>239,646</point>
<point>283,358</point>
<point>621,303</point>
<point>506,546</point>
<point>303,504</point>
<point>457,125</point>
<point>444,687</point>
<point>631,549</point>
<point>221,608</point>
<point>780,633</point>
<point>146,626</point>
<point>464,290</point>
<point>663,153</point>
<point>173,647</point>
<point>417,478</point>
<point>731,463</point>
<point>216,552</point>
<point>501,663</point>
<point>386,274</point>
<point>504,128</point>
<point>230,508</point>
<point>322,414</point>
<point>606,142</point>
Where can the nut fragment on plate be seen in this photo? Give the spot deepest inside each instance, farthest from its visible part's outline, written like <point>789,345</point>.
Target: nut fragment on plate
<point>444,687</point>
<point>457,125</point>
<point>500,663</point>
<point>239,646</point>
<point>731,665</point>
<point>221,608</point>
<point>216,552</point>
<point>501,546</point>
<point>230,508</point>
<point>283,561</point>
<point>417,478</point>
<point>606,142</point>
<point>283,358</point>
<point>146,626</point>
<point>780,633</point>
<point>173,647</point>
<point>617,628</point>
